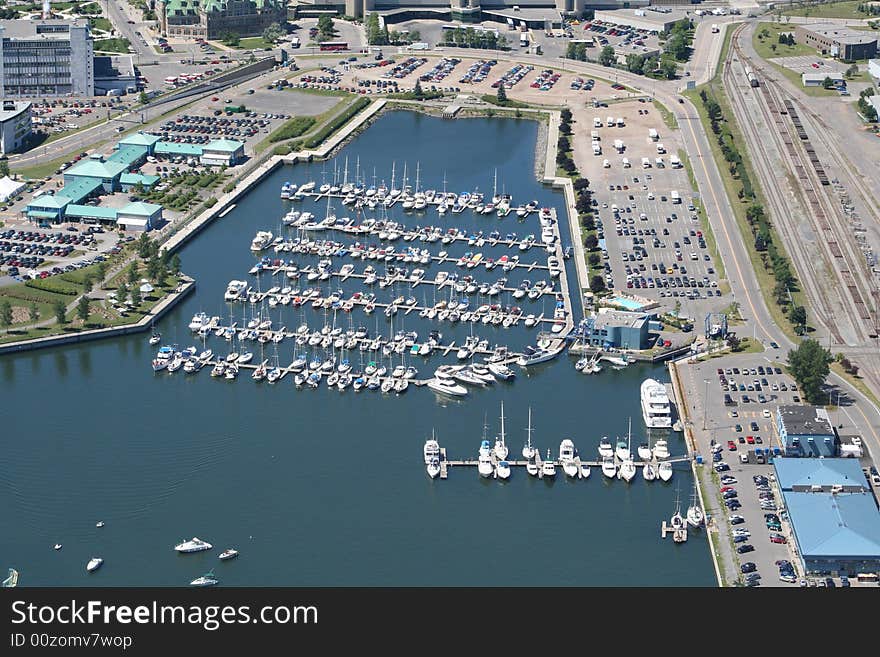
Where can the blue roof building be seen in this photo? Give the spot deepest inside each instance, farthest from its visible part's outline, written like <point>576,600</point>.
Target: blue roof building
<point>106,172</point>
<point>620,329</point>
<point>806,431</point>
<point>222,152</point>
<point>819,475</point>
<point>140,139</point>
<point>130,180</point>
<point>835,532</point>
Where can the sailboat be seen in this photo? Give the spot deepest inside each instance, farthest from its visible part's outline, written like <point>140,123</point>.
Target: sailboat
<point>500,446</point>
<point>622,450</point>
<point>649,472</point>
<point>529,452</point>
<point>695,516</point>
<point>677,521</point>
<point>628,467</point>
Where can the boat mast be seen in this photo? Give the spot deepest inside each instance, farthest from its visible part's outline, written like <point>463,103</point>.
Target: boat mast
<point>529,428</point>
<point>502,422</point>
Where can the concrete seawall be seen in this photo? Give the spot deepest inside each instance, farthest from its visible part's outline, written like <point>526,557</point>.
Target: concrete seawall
<point>158,311</point>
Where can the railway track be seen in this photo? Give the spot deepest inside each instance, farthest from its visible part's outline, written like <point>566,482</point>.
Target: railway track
<point>810,277</point>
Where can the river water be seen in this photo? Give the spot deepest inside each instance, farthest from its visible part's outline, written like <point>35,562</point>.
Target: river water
<point>320,487</point>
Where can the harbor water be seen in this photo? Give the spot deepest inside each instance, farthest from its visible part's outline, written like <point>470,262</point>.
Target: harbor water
<point>321,487</point>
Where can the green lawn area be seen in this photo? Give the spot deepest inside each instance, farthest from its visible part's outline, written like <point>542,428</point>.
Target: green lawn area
<point>112,45</point>
<point>253,43</point>
<point>795,79</point>
<point>731,186</point>
<point>668,117</point>
<point>845,9</point>
<point>767,35</point>
<point>750,346</point>
<point>704,221</point>
<point>101,24</point>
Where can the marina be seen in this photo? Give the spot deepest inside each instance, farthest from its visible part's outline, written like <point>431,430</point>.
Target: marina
<point>172,456</point>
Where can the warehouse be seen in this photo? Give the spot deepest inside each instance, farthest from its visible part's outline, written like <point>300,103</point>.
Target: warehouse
<point>837,41</point>
<point>222,152</point>
<point>806,431</point>
<point>835,533</point>
<point>819,475</point>
<point>650,20</point>
<point>818,79</point>
<point>619,329</point>
<point>139,216</point>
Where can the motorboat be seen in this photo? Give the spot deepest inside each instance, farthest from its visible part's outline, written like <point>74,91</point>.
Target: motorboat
<point>656,409</point>
<point>605,448</point>
<point>234,290</point>
<point>207,579</point>
<point>661,450</point>
<point>622,451</point>
<point>664,470</point>
<point>228,553</point>
<point>155,338</point>
<point>193,545</point>
<point>93,564</point>
<point>548,467</point>
<point>503,470</point>
<point>609,467</point>
<point>532,356</point>
<point>501,371</point>
<point>261,240</point>
<point>433,468</point>
<point>644,451</point>
<point>57,546</point>
<point>484,463</point>
<point>198,321</point>
<point>566,457</point>
<point>584,470</point>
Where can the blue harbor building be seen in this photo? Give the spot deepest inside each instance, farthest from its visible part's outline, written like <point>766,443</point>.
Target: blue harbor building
<point>619,329</point>
<point>806,431</point>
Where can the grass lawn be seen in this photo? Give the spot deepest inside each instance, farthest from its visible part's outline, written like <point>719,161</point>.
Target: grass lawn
<point>845,9</point>
<point>253,43</point>
<point>112,45</point>
<point>763,43</point>
<point>101,24</point>
<point>668,117</point>
<point>765,280</point>
<point>750,346</point>
<point>855,381</point>
<point>795,79</point>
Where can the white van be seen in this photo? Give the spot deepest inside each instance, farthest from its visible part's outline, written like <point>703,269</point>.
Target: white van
<point>597,122</point>
<point>626,163</point>
<point>659,163</point>
<point>646,163</point>
<point>606,164</point>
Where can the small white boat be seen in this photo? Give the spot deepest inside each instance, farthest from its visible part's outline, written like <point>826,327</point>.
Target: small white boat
<point>99,524</point>
<point>227,554</point>
<point>502,471</point>
<point>433,468</point>
<point>609,467</point>
<point>193,545</point>
<point>207,579</point>
<point>664,470</point>
<point>585,471</point>
<point>566,457</point>
<point>649,472</point>
<point>528,451</point>
<point>661,450</point>
<point>605,448</point>
<point>644,451</point>
<point>93,564</point>
<point>695,516</point>
<point>627,470</point>
<point>548,467</point>
<point>57,546</point>
<point>484,463</point>
<point>501,450</point>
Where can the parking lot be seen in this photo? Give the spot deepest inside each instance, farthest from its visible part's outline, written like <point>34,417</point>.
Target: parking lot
<point>654,244</point>
<point>32,252</point>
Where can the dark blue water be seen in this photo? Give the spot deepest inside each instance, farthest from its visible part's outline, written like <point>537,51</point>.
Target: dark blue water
<point>318,487</point>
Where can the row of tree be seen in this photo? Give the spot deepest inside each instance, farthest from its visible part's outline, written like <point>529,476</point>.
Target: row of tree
<point>678,40</point>
<point>468,37</point>
<point>865,107</point>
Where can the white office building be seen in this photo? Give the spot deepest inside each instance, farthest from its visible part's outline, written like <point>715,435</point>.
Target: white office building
<point>15,125</point>
<point>46,58</point>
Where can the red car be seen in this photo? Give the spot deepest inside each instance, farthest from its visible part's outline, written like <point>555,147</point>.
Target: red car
<point>750,440</point>
<point>778,539</point>
<point>731,445</point>
<point>727,489</point>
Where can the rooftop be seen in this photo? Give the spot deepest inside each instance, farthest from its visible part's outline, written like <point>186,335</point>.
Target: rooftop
<point>139,139</point>
<point>839,33</point>
<point>806,421</point>
<point>107,66</point>
<point>78,188</point>
<point>12,108</point>
<point>90,211</point>
<point>42,29</point>
<point>223,145</point>
<point>607,316</point>
<point>172,148</point>
<point>794,473</point>
<point>135,178</point>
<point>835,525</point>
<point>96,169</point>
<point>126,154</point>
<point>140,209</point>
<point>646,15</point>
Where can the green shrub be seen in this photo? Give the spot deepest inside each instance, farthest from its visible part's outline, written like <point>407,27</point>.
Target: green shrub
<point>54,285</point>
<point>292,128</point>
<point>336,123</point>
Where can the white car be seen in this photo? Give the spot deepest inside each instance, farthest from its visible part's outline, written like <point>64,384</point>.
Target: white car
<point>765,413</point>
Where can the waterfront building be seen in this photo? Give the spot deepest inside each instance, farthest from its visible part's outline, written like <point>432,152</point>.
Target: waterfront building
<point>819,475</point>
<point>140,139</point>
<point>836,40</point>
<point>139,216</point>
<point>222,152</point>
<point>835,533</point>
<point>15,125</point>
<point>806,431</point>
<point>46,58</point>
<point>619,329</point>
<point>874,69</point>
<point>211,19</point>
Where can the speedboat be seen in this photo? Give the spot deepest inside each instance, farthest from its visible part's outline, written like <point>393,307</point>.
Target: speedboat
<point>585,471</point>
<point>664,470</point>
<point>443,383</point>
<point>503,470</point>
<point>93,564</point>
<point>605,448</point>
<point>194,545</point>
<point>156,338</point>
<point>207,579</point>
<point>622,450</point>
<point>227,554</point>
<point>644,451</point>
<point>484,463</point>
<point>433,468</point>
<point>609,467</point>
<point>501,371</point>
<point>548,467</point>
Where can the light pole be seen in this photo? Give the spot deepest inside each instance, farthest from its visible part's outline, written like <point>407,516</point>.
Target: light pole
<point>705,401</point>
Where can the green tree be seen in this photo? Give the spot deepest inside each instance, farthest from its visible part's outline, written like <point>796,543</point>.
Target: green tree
<point>122,293</point>
<point>142,98</point>
<point>5,314</point>
<point>175,264</point>
<point>82,308</point>
<point>418,90</point>
<point>325,26</point>
<point>230,39</point>
<point>60,311</point>
<point>668,69</point>
<point>101,271</point>
<point>591,242</point>
<point>154,269</point>
<point>136,297</point>
<point>88,283</point>
<point>635,63</point>
<point>593,259</point>
<point>143,246</point>
<point>34,312</point>
<point>607,56</point>
<point>597,284</point>
<point>827,83</point>
<point>808,364</point>
<point>4,167</point>
<point>132,273</point>
<point>798,316</point>
<point>502,94</point>
<point>273,33</point>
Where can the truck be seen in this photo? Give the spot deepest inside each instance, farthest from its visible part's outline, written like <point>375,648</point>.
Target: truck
<point>295,42</point>
<point>597,149</point>
<point>646,163</point>
<point>620,122</point>
<point>619,145</point>
<point>235,109</point>
<point>653,134</point>
<point>661,149</point>
<point>594,135</point>
<point>674,197</point>
<point>597,122</point>
<point>610,122</point>
<point>626,164</point>
<point>674,162</point>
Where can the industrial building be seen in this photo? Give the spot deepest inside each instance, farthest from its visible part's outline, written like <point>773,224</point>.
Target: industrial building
<point>838,41</point>
<point>46,58</point>
<point>818,79</point>
<point>835,533</point>
<point>618,329</point>
<point>15,125</point>
<point>211,19</point>
<point>115,75</point>
<point>806,431</point>
<point>649,19</point>
<point>820,475</point>
<point>874,69</point>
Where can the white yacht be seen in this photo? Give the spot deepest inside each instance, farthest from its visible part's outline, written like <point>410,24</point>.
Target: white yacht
<point>644,451</point>
<point>443,383</point>
<point>431,450</point>
<point>484,464</point>
<point>627,470</point>
<point>664,470</point>
<point>605,448</point>
<point>566,457</point>
<point>234,290</point>
<point>503,470</point>
<point>695,516</point>
<point>501,371</point>
<point>194,545</point>
<point>548,467</point>
<point>207,579</point>
<point>622,451</point>
<point>661,450</point>
<point>228,553</point>
<point>261,240</point>
<point>609,467</point>
<point>198,321</point>
<point>656,409</point>
<point>532,356</point>
<point>94,563</point>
